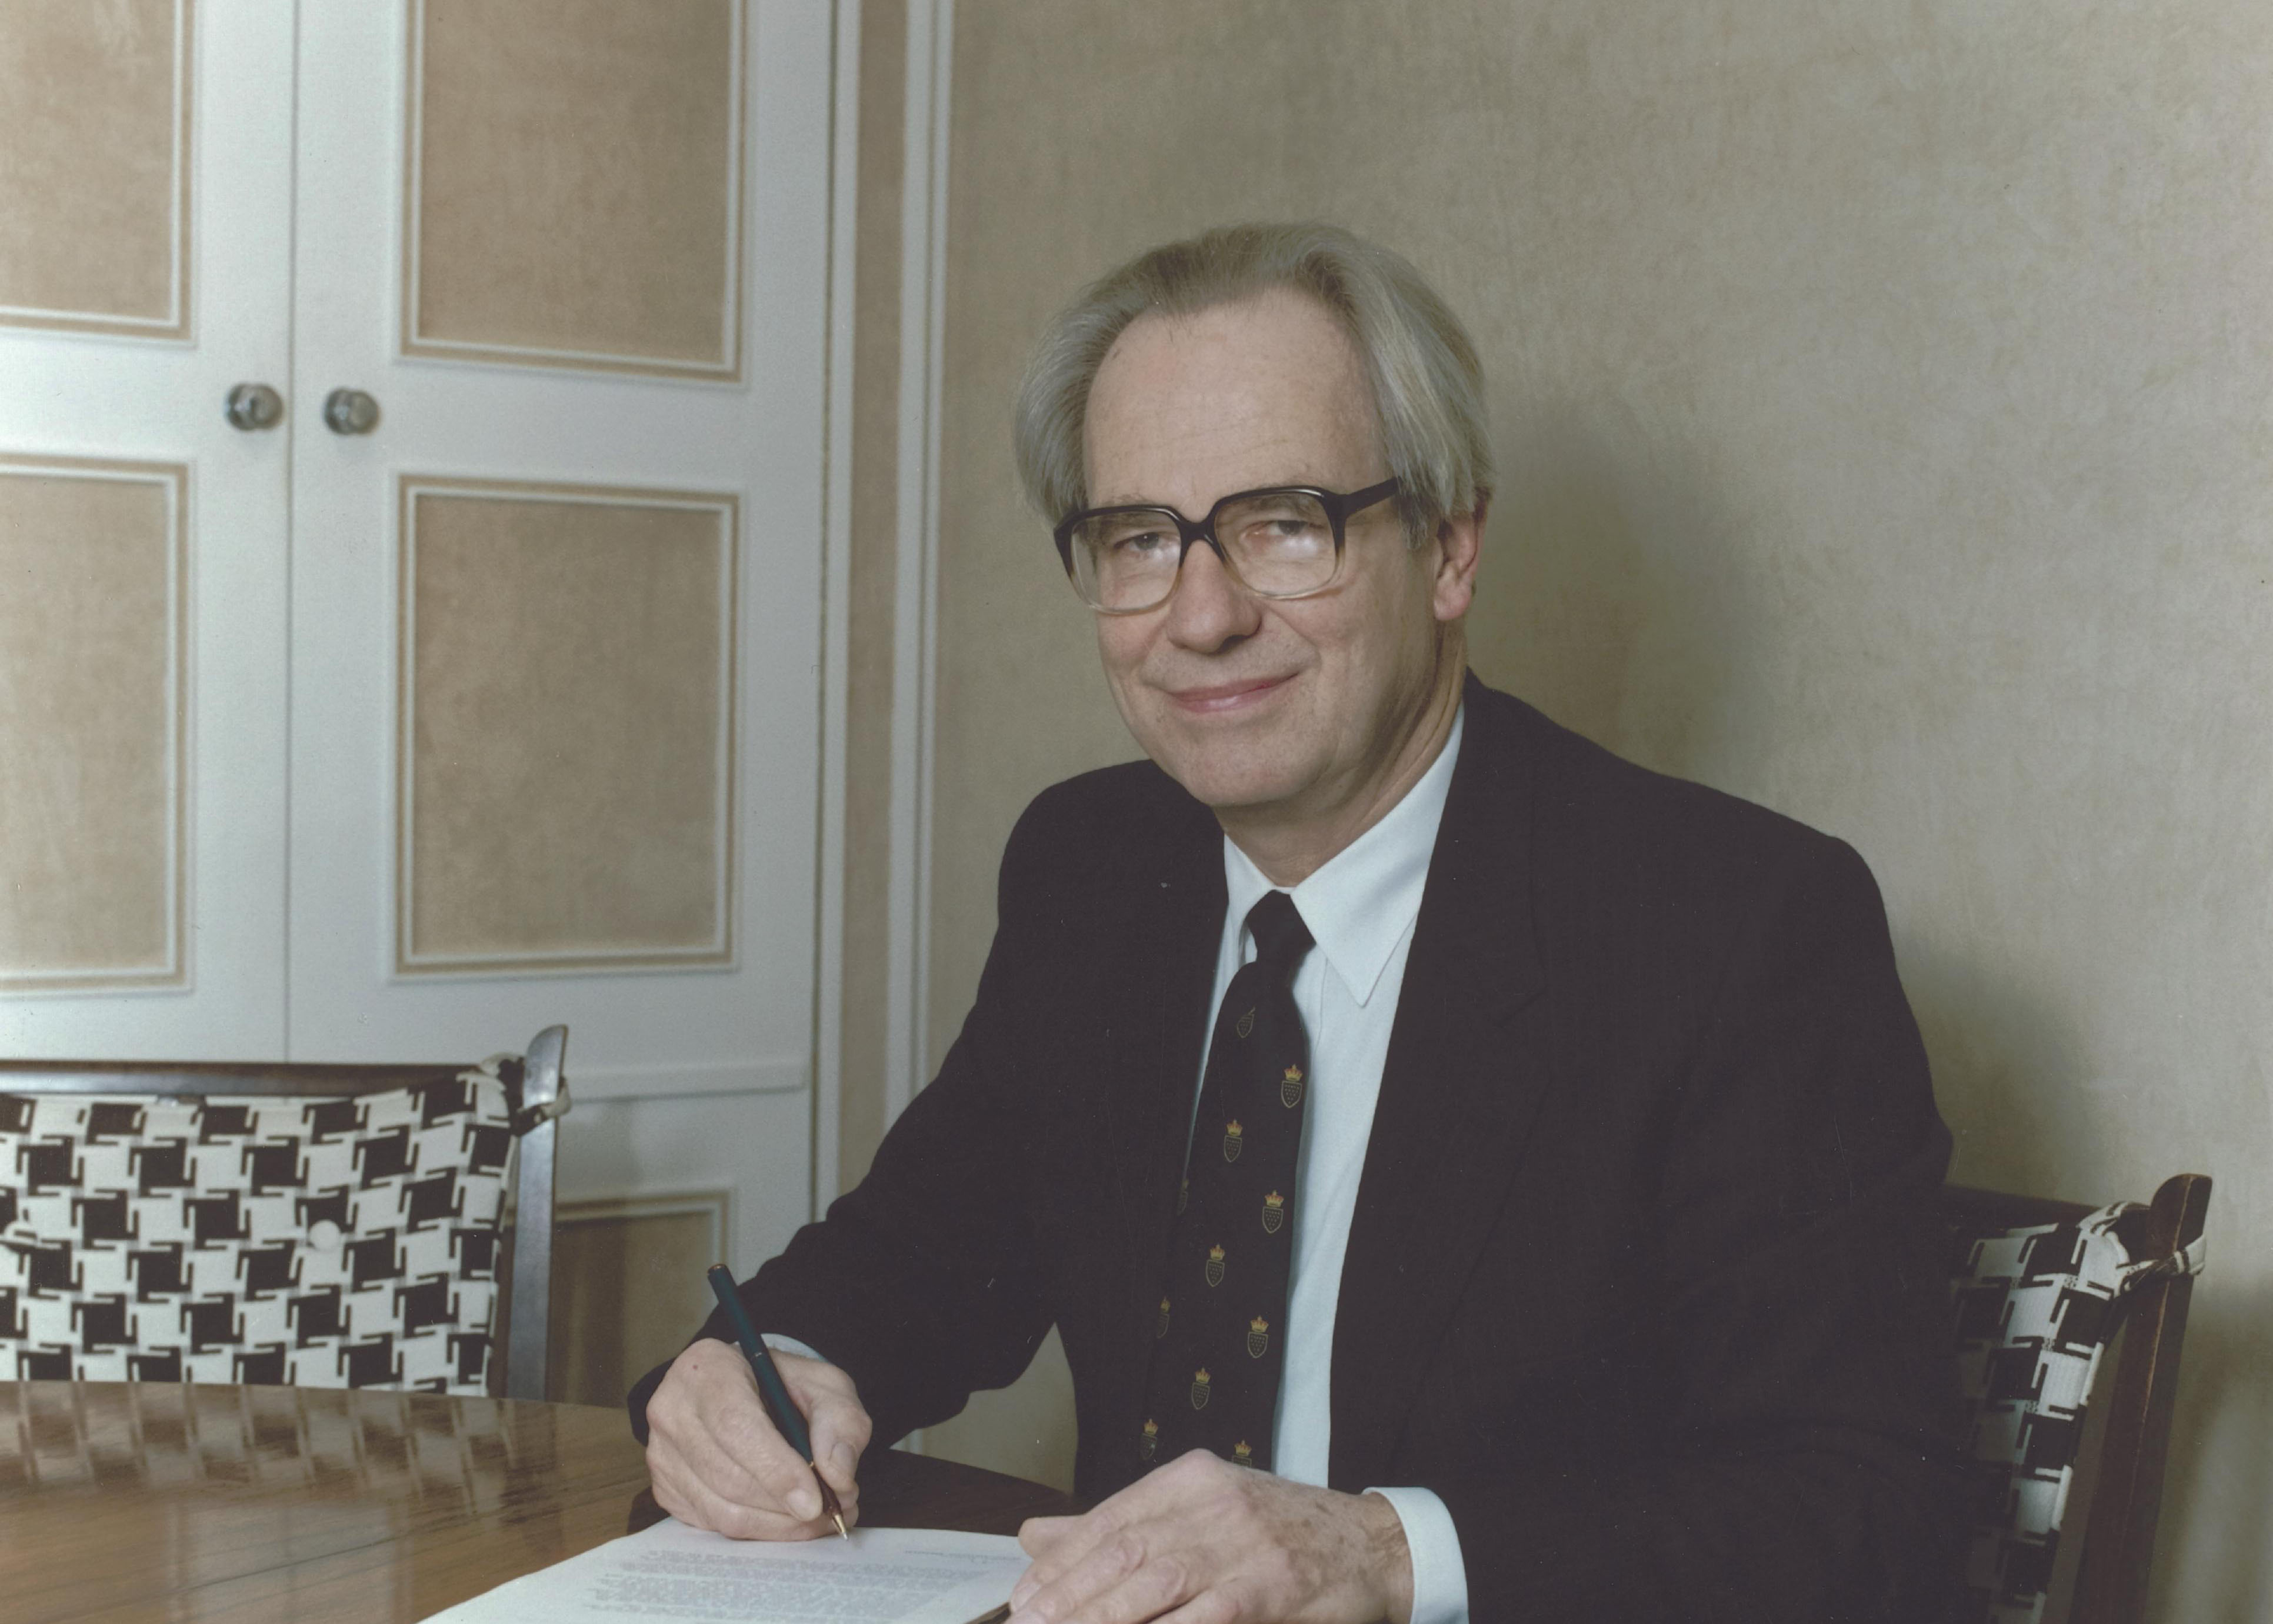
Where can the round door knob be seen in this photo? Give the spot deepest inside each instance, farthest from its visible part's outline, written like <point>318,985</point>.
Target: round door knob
<point>255,406</point>
<point>351,411</point>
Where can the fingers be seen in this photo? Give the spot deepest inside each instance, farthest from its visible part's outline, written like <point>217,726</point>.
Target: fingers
<point>1160,1587</point>
<point>737,1446</point>
<point>1058,1546</point>
<point>717,1462</point>
<point>1201,1541</point>
<point>1078,1560</point>
<point>838,1425</point>
<point>1040,1537</point>
<point>1213,1608</point>
<point>697,1506</point>
<point>1133,1574</point>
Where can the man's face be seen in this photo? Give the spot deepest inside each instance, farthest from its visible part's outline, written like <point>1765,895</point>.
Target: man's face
<point>1297,709</point>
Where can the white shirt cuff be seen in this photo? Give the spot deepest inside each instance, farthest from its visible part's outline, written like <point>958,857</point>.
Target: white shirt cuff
<point>1440,1578</point>
<point>790,1344</point>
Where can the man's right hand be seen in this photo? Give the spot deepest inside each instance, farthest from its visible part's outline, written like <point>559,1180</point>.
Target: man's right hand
<point>717,1463</point>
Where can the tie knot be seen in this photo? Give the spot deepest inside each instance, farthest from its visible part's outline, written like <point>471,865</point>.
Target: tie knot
<point>1281,938</point>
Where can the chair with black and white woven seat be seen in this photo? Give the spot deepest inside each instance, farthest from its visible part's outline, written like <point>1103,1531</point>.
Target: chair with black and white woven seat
<point>2043,1290</point>
<point>321,1225</point>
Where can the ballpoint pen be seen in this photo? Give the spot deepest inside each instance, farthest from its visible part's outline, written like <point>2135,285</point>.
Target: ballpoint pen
<point>786,1416</point>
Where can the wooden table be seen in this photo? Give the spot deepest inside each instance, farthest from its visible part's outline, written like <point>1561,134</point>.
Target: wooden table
<point>124,1500</point>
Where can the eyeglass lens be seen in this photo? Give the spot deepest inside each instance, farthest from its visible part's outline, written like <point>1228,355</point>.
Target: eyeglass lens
<point>1279,544</point>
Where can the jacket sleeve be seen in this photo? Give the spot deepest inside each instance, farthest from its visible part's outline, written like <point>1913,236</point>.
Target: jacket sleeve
<point>922,1282</point>
<point>1798,1367</point>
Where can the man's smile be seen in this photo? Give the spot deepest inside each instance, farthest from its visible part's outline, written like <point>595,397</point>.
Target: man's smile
<point>1230,698</point>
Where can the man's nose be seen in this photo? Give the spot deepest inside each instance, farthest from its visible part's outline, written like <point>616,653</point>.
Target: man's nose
<point>1208,608</point>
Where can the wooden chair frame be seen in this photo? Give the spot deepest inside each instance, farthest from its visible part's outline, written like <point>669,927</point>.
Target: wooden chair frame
<point>544,1098</point>
<point>2126,1494</point>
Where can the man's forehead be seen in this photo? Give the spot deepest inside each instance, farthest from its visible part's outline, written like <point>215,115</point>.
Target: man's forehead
<point>1266,390</point>
<point>1273,320</point>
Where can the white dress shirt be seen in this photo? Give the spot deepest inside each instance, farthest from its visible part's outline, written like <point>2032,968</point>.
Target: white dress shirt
<point>1360,907</point>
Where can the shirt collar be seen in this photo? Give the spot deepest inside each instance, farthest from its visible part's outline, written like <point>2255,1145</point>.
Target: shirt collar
<point>1360,902</point>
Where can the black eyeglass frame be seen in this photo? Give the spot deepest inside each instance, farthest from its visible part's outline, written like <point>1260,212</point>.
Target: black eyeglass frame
<point>1338,505</point>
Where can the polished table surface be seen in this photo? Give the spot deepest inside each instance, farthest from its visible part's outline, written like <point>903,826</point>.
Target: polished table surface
<point>123,1501</point>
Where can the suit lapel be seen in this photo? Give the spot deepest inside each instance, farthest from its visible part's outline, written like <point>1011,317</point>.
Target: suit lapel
<point>1155,1010</point>
<point>1458,1091</point>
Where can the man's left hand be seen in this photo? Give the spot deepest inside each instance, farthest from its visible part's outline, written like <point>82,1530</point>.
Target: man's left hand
<point>1205,1542</point>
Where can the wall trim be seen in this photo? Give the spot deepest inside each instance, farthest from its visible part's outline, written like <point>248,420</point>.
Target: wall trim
<point>835,607</point>
<point>923,274</point>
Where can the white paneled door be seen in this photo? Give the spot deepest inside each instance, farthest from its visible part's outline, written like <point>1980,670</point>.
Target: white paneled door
<point>557,610</point>
<point>144,270</point>
<point>498,664</point>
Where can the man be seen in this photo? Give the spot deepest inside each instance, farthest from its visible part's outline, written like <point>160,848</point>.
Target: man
<point>1525,1158</point>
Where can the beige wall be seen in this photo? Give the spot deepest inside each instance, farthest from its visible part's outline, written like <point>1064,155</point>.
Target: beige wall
<point>1880,393</point>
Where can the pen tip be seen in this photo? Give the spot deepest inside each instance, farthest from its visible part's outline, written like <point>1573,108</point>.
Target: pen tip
<point>839,1520</point>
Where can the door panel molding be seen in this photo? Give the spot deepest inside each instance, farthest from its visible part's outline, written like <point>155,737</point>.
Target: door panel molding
<point>485,275</point>
<point>95,813</point>
<point>572,732</point>
<point>82,156</point>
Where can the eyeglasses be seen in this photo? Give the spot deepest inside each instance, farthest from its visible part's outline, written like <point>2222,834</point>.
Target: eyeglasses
<point>1282,543</point>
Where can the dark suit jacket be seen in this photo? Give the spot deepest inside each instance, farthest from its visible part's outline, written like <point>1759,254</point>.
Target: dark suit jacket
<point>1642,1278</point>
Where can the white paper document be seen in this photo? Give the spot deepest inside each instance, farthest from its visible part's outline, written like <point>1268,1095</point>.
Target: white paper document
<point>880,1575</point>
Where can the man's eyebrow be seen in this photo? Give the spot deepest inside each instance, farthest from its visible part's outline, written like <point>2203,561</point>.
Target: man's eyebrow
<point>1312,481</point>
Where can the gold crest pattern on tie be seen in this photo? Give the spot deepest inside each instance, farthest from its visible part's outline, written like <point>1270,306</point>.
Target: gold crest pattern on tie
<point>1217,1360</point>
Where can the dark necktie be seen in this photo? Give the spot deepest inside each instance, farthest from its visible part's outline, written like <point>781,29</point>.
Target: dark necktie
<point>1220,1337</point>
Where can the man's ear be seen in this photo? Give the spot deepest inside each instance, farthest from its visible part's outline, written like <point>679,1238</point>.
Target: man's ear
<point>1459,545</point>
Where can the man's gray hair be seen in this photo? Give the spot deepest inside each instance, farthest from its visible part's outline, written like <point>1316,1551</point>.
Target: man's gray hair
<point>1428,384</point>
